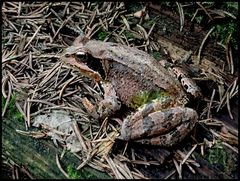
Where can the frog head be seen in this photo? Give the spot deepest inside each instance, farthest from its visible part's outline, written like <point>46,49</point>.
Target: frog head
<point>76,56</point>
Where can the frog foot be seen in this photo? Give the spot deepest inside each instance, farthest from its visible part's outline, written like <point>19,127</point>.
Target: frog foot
<point>108,107</point>
<point>159,127</point>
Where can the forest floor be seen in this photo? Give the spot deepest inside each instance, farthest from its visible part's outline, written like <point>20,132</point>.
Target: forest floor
<point>39,91</point>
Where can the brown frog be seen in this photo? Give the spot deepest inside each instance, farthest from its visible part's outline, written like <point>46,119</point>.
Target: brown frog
<point>127,74</point>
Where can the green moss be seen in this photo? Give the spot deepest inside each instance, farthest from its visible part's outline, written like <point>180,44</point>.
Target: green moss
<point>222,32</point>
<point>145,97</point>
<point>148,23</point>
<point>72,173</point>
<point>129,34</point>
<point>156,55</point>
<point>218,155</point>
<point>84,173</point>
<point>12,111</point>
<point>135,6</point>
<point>231,6</point>
<point>102,35</point>
<point>3,102</point>
<point>224,26</point>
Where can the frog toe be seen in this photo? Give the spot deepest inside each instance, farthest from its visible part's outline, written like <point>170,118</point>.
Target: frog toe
<point>108,107</point>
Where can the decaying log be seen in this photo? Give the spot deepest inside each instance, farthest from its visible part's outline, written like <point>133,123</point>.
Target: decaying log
<point>38,155</point>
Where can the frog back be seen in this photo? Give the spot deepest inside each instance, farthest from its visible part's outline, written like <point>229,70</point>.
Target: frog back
<point>132,70</point>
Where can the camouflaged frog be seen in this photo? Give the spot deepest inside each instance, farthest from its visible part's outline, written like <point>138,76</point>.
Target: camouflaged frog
<point>127,74</point>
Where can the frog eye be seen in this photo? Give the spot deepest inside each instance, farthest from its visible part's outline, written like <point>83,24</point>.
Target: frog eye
<point>80,53</point>
<point>82,56</point>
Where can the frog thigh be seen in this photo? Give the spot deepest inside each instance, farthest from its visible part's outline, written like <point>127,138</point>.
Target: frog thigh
<point>157,123</point>
<point>171,138</point>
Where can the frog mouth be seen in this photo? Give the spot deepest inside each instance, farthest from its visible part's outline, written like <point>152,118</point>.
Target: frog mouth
<point>83,68</point>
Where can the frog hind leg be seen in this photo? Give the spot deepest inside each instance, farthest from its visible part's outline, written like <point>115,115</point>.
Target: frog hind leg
<point>143,125</point>
<point>110,104</point>
<point>171,138</point>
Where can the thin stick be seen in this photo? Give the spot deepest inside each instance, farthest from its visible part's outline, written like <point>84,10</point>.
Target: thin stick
<point>199,4</point>
<point>180,9</point>
<point>8,99</point>
<point>79,136</point>
<point>204,40</point>
<point>210,104</point>
<point>65,85</point>
<point>28,113</point>
<point>60,167</point>
<point>228,106</point>
<point>64,23</point>
<point>33,37</point>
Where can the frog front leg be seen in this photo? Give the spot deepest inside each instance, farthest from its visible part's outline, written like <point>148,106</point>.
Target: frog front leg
<point>163,127</point>
<point>110,104</point>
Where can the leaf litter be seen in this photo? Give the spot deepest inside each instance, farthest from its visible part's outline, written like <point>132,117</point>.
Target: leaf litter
<point>59,100</point>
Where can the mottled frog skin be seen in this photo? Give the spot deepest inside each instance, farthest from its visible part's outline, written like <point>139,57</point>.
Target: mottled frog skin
<point>125,73</point>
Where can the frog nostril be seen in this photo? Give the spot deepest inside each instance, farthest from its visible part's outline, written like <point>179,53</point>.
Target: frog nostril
<point>185,86</point>
<point>67,55</point>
